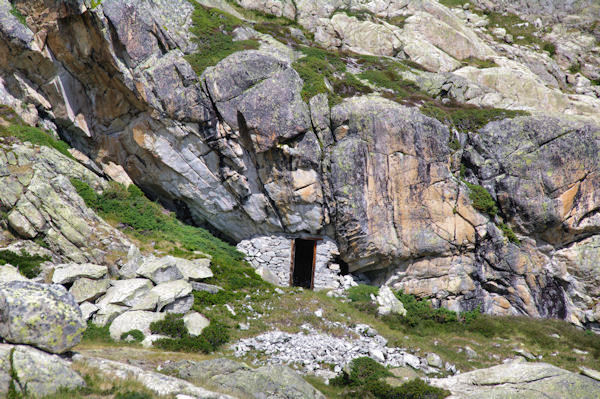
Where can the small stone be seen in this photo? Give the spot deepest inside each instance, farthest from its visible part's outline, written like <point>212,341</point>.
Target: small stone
<point>244,326</point>
<point>319,313</point>
<point>388,303</point>
<point>377,354</point>
<point>590,373</point>
<point>580,352</point>
<point>434,360</point>
<point>527,355</point>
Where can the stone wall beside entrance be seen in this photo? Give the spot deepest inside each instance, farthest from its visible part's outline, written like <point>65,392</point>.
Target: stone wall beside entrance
<point>274,253</point>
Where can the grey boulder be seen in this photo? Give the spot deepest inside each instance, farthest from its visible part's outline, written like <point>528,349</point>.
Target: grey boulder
<point>45,316</point>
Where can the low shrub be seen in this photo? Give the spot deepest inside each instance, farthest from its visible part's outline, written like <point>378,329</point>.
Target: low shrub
<point>550,48</point>
<point>28,265</point>
<point>509,233</point>
<point>213,337</point>
<point>171,326</point>
<point>96,334</point>
<point>366,379</point>
<point>575,67</point>
<point>482,200</point>
<point>133,336</point>
<point>362,293</point>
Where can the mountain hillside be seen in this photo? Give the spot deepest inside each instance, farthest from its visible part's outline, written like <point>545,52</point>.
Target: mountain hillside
<point>305,183</point>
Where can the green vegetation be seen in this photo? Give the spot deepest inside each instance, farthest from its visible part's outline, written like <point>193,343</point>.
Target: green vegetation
<point>454,3</point>
<point>28,265</point>
<point>467,118</point>
<point>20,130</point>
<point>316,66</point>
<point>212,30</point>
<point>133,336</point>
<point>509,233</point>
<point>575,67</point>
<point>96,3</point>
<point>212,337</point>
<point>523,32</point>
<point>482,199</point>
<point>481,64</point>
<point>96,334</point>
<point>550,48</point>
<point>362,293</point>
<point>366,379</point>
<point>420,313</point>
<point>14,11</point>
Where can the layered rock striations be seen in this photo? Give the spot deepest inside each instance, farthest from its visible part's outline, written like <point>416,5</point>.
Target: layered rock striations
<point>239,148</point>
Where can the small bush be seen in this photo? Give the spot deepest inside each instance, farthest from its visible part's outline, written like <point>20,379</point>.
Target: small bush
<point>171,326</point>
<point>482,199</point>
<point>95,333</point>
<point>479,63</point>
<point>365,379</point>
<point>575,67</point>
<point>550,48</point>
<point>28,265</point>
<point>14,11</point>
<point>467,118</point>
<point>133,335</point>
<point>362,293</point>
<point>509,233</point>
<point>212,337</point>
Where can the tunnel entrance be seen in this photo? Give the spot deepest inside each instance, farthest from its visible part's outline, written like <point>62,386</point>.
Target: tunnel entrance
<point>304,254</point>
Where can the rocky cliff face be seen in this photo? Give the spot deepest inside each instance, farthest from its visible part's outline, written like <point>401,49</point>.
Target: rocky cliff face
<point>242,149</point>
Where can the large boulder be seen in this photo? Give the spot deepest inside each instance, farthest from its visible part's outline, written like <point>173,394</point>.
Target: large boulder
<point>239,379</point>
<point>45,316</point>
<point>35,372</point>
<point>68,273</point>
<point>520,380</point>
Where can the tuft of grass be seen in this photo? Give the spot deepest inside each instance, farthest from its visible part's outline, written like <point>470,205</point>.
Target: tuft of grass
<point>509,233</point>
<point>575,68</point>
<point>482,200</point>
<point>550,48</point>
<point>212,30</point>
<point>454,3</point>
<point>96,3</point>
<point>28,265</point>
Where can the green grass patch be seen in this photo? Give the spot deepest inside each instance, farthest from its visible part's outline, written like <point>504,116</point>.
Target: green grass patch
<point>316,66</point>
<point>482,200</point>
<point>362,293</point>
<point>523,32</point>
<point>212,337</point>
<point>366,379</point>
<point>14,11</point>
<point>467,118</point>
<point>28,265</point>
<point>23,132</point>
<point>479,63</point>
<point>212,30</point>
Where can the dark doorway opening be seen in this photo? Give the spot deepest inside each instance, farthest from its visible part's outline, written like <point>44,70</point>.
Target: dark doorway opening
<point>302,273</point>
